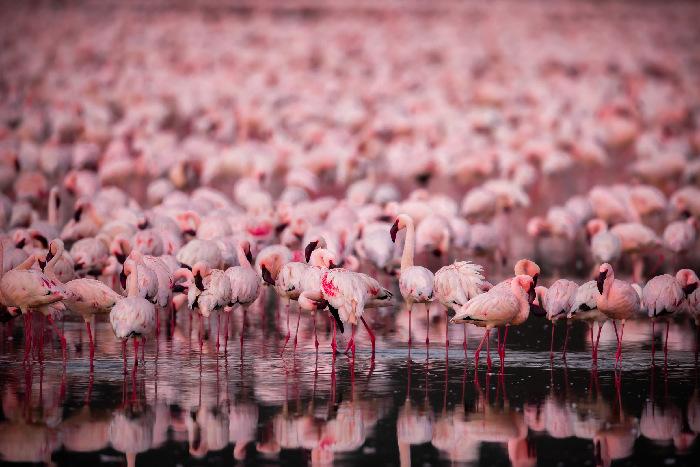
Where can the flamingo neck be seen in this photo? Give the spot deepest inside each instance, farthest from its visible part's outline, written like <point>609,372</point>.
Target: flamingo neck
<point>409,245</point>
<point>520,294</point>
<point>133,285</point>
<point>49,269</point>
<point>242,258</point>
<point>608,283</point>
<point>53,208</point>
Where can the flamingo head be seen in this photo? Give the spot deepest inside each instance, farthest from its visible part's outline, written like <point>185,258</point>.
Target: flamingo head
<point>603,272</point>
<point>199,272</point>
<point>688,280</point>
<point>528,268</point>
<point>245,246</point>
<point>595,226</point>
<point>527,284</point>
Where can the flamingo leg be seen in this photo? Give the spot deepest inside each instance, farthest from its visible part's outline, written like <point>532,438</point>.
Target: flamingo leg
<point>245,313</point>
<point>447,329</point>
<point>124,353</point>
<point>60,336</point>
<point>464,342</point>
<point>668,324</point>
<point>478,351</point>
<point>427,327</point>
<point>315,333</point>
<point>352,341</point>
<point>488,349</point>
<point>92,343</point>
<point>597,342</point>
<point>590,329</point>
<point>226,332</point>
<point>566,339</point>
<point>653,344</point>
<point>502,349</point>
<point>289,333</point>
<point>296,332</point>
<point>410,308</point>
<point>334,345</point>
<point>551,343</point>
<point>136,352</point>
<point>218,327</point>
<point>143,349</point>
<point>27,336</point>
<point>371,334</point>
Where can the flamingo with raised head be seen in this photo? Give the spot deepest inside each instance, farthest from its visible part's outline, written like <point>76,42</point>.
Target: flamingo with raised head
<point>415,282</point>
<point>244,282</point>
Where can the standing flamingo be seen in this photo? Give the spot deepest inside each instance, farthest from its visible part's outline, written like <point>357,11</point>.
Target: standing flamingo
<point>556,301</point>
<point>415,282</point>
<point>245,283</point>
<point>618,301</point>
<point>133,316</point>
<point>498,307</point>
<point>662,297</point>
<point>585,308</point>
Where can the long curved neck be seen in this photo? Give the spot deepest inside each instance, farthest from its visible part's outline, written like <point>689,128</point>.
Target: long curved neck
<point>608,283</point>
<point>242,258</point>
<point>133,286</point>
<point>49,269</point>
<point>520,296</point>
<point>409,245</point>
<point>53,207</point>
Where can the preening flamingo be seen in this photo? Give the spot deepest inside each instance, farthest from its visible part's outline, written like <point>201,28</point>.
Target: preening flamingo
<point>244,282</point>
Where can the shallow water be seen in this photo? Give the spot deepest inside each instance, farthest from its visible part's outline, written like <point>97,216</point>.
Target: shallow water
<point>421,405</point>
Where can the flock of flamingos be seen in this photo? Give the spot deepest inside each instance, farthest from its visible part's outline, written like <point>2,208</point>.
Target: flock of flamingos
<point>140,194</point>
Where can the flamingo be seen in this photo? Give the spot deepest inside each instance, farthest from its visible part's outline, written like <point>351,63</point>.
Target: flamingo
<point>244,282</point>
<point>557,301</point>
<point>498,307</point>
<point>585,308</point>
<point>662,297</point>
<point>87,297</point>
<point>618,301</point>
<point>415,282</point>
<point>133,316</point>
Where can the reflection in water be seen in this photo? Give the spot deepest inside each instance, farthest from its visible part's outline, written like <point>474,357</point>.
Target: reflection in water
<point>310,409</point>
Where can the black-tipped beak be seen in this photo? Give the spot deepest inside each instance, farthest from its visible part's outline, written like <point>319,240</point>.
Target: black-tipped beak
<point>535,278</point>
<point>122,280</point>
<point>437,253</point>
<point>78,214</point>
<point>21,243</point>
<point>44,242</point>
<point>332,265</point>
<point>310,249</point>
<point>121,257</point>
<point>49,256</point>
<point>198,282</point>
<point>690,288</point>
<point>335,314</point>
<point>179,288</point>
<point>531,294</point>
<point>394,230</point>
<point>143,225</point>
<point>280,228</point>
<point>42,264</point>
<point>249,255</point>
<point>686,214</point>
<point>601,280</point>
<point>190,232</point>
<point>267,277</point>
<point>321,304</point>
<point>537,310</point>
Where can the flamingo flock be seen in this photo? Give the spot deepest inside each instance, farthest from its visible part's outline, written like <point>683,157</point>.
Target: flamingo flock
<point>146,182</point>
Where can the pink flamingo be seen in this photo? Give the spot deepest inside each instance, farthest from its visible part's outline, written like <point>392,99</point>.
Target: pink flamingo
<point>415,282</point>
<point>618,301</point>
<point>662,297</point>
<point>244,281</point>
<point>498,307</point>
<point>585,308</point>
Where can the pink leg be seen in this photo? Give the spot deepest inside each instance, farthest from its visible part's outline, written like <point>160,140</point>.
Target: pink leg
<point>409,325</point>
<point>245,313</point>
<point>592,343</point>
<point>92,343</point>
<point>315,333</point>
<point>124,354</point>
<point>502,349</point>
<point>653,344</point>
<point>352,342</point>
<point>136,352</point>
<point>597,342</point>
<point>157,320</point>
<point>226,332</point>
<point>464,342</point>
<point>447,329</point>
<point>668,324</point>
<point>218,327</point>
<point>334,346</point>
<point>60,336</point>
<point>488,349</point>
<point>427,326</point>
<point>566,339</point>
<point>551,344</point>
<point>371,334</point>
<point>143,349</point>
<point>478,351</point>
<point>289,334</point>
<point>201,333</point>
<point>296,332</point>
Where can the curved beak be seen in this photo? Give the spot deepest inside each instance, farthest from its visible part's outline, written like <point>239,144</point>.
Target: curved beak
<point>531,294</point>
<point>601,280</point>
<point>267,277</point>
<point>310,249</point>
<point>280,228</point>
<point>394,230</point>
<point>122,279</point>
<point>249,255</point>
<point>198,282</point>
<point>21,244</point>
<point>690,288</point>
<point>78,214</point>
<point>535,278</point>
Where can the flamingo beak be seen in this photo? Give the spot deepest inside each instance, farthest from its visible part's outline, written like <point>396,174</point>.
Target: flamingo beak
<point>44,242</point>
<point>690,288</point>
<point>394,230</point>
<point>42,264</point>
<point>21,243</point>
<point>310,249</point>
<point>332,265</point>
<point>531,294</point>
<point>437,252</point>
<point>335,314</point>
<point>121,257</point>
<point>122,279</point>
<point>267,277</point>
<point>601,280</point>
<point>198,281</point>
<point>49,256</point>
<point>534,280</point>
<point>249,255</point>
<point>280,228</point>
<point>78,214</point>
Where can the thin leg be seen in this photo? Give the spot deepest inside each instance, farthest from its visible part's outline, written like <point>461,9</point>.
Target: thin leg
<point>136,352</point>
<point>653,344</point>
<point>597,342</point>
<point>296,332</point>
<point>409,325</point>
<point>478,351</point>
<point>315,333</point>
<point>551,344</point>
<point>590,329</point>
<point>289,333</point>
<point>447,329</point>
<point>668,325</point>
<point>334,346</point>
<point>488,349</point>
<point>92,343</point>
<point>464,342</point>
<point>226,332</point>
<point>143,349</point>
<point>60,336</point>
<point>503,348</point>
<point>124,353</point>
<point>218,327</point>
<point>371,334</point>
<point>566,339</point>
<point>352,340</point>
<point>427,326</point>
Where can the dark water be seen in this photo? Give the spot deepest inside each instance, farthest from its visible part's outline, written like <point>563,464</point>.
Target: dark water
<point>423,407</point>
